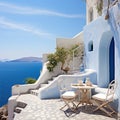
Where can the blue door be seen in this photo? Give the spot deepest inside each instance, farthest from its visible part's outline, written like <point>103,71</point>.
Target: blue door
<point>112,60</point>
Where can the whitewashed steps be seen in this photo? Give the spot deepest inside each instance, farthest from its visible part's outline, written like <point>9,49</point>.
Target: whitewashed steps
<point>17,110</point>
<point>36,91</point>
<point>20,106</point>
<point>43,85</point>
<point>50,81</point>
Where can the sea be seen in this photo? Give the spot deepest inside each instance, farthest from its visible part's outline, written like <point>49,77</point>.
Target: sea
<point>12,73</point>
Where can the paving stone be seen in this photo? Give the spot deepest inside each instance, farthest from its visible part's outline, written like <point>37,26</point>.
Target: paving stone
<point>49,109</point>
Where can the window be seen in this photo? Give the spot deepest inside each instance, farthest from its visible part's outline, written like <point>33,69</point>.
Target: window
<point>90,46</point>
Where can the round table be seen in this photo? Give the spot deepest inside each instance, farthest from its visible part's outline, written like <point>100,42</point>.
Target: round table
<point>85,93</point>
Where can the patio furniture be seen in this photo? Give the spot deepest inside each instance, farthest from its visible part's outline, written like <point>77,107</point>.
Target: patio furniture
<point>102,100</point>
<point>69,98</point>
<point>85,93</point>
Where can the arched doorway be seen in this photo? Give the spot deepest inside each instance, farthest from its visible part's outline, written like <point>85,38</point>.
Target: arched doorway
<point>112,60</point>
<point>106,68</point>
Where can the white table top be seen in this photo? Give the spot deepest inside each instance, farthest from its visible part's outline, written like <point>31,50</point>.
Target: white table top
<point>84,86</point>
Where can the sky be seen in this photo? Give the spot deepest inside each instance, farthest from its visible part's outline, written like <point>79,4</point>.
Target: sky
<point>30,27</point>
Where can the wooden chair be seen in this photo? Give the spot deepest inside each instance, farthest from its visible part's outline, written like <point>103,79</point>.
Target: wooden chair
<point>103,100</point>
<point>69,98</point>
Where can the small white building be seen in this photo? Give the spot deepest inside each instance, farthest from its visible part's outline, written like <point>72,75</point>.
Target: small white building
<point>102,44</point>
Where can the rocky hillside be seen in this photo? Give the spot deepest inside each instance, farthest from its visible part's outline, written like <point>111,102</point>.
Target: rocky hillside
<point>3,112</point>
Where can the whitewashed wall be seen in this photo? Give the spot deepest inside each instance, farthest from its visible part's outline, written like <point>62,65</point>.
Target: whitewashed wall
<point>99,31</point>
<point>114,21</point>
<point>43,78</point>
<point>53,89</point>
<point>69,42</point>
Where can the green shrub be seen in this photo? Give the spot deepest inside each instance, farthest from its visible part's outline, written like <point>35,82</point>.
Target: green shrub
<point>30,80</point>
<point>52,62</point>
<point>63,55</point>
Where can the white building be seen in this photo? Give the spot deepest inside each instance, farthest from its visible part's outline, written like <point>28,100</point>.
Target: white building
<point>102,56</point>
<point>102,45</point>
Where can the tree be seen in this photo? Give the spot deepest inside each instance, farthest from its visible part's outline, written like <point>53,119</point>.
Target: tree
<point>63,55</point>
<point>59,56</point>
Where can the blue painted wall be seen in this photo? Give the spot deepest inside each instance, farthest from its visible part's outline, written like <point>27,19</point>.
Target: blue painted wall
<point>100,33</point>
<point>114,21</point>
<point>101,58</point>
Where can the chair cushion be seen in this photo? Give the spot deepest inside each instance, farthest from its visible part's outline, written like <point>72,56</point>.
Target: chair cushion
<point>101,97</point>
<point>69,94</point>
<point>101,90</point>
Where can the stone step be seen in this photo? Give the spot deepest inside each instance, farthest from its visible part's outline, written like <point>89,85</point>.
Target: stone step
<point>54,78</point>
<point>17,110</point>
<point>21,104</point>
<point>50,81</point>
<point>34,92</point>
<point>43,85</point>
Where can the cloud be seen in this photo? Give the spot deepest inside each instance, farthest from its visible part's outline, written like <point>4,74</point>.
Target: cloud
<point>15,26</point>
<point>14,9</point>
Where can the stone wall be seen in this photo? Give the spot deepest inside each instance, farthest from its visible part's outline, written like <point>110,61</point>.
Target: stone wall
<point>91,11</point>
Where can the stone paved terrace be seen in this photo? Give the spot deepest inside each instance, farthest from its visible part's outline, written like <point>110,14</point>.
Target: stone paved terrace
<point>49,109</point>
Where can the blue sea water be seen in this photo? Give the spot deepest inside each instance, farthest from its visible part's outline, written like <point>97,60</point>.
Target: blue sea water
<point>12,73</point>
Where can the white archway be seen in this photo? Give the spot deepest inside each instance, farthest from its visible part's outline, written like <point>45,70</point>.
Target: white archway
<point>103,72</point>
